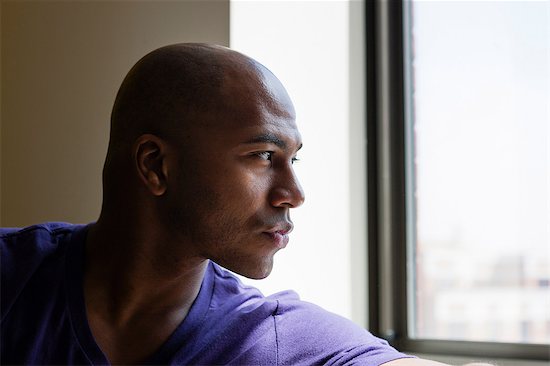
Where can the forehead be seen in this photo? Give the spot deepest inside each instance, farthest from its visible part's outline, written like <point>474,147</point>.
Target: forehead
<point>249,88</point>
<point>250,103</point>
<point>251,128</point>
<point>225,134</point>
<point>278,131</point>
<point>253,101</point>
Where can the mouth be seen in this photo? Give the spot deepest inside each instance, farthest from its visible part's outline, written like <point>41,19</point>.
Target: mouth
<point>279,235</point>
<point>278,238</point>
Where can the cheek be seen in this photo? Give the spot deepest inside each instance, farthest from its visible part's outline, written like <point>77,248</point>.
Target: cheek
<point>241,184</point>
<point>242,204</point>
<point>220,192</point>
<point>251,193</point>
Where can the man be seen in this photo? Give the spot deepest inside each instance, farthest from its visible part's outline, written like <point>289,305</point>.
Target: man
<point>198,175</point>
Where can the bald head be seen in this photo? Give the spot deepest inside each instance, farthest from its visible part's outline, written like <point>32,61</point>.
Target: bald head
<point>175,90</point>
<point>202,144</point>
<point>182,84</point>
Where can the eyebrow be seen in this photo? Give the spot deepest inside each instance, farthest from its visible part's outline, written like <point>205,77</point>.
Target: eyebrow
<point>271,139</point>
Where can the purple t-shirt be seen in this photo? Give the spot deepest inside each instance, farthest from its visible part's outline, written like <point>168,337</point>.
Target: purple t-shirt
<point>44,316</point>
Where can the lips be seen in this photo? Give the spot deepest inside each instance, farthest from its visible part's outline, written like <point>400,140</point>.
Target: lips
<point>279,234</point>
<point>283,228</point>
<point>278,238</point>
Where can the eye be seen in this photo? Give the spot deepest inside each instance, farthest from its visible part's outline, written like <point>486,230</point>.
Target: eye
<point>265,155</point>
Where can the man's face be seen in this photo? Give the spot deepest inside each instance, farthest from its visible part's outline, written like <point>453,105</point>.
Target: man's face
<point>236,186</point>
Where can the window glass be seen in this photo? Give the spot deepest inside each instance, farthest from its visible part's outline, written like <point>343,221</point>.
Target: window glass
<point>478,162</point>
<point>322,70</point>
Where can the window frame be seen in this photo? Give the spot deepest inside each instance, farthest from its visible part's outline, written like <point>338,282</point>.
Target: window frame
<point>387,111</point>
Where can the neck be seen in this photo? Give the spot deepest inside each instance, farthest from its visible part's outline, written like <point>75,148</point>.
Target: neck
<point>138,287</point>
<point>138,271</point>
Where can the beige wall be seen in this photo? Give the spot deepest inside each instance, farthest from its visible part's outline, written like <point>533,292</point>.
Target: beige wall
<point>62,63</point>
<point>0,115</point>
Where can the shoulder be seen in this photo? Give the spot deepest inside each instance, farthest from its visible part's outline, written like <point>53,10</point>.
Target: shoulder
<point>32,242</point>
<point>24,250</point>
<point>309,334</point>
<point>302,333</point>
<point>47,229</point>
<point>35,239</point>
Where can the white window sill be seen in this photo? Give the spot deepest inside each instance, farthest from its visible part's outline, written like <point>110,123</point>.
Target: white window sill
<point>458,360</point>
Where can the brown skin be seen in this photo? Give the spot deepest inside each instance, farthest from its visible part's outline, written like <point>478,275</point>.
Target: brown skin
<point>199,167</point>
<point>217,190</point>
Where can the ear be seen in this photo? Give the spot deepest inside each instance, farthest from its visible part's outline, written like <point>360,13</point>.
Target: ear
<point>151,163</point>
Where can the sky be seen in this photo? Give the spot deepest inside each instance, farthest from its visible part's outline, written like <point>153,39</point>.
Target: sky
<point>481,98</point>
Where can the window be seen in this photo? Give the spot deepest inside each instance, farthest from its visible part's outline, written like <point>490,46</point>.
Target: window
<point>416,291</point>
<point>458,176</point>
<point>316,49</point>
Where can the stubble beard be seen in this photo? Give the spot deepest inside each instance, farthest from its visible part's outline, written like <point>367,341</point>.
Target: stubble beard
<point>219,234</point>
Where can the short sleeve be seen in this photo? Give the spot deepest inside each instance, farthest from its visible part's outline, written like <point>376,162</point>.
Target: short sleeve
<point>309,335</point>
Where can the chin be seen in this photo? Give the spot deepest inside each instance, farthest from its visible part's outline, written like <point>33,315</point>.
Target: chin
<point>254,271</point>
<point>258,275</point>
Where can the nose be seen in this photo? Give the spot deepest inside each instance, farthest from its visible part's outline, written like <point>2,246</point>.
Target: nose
<point>287,191</point>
